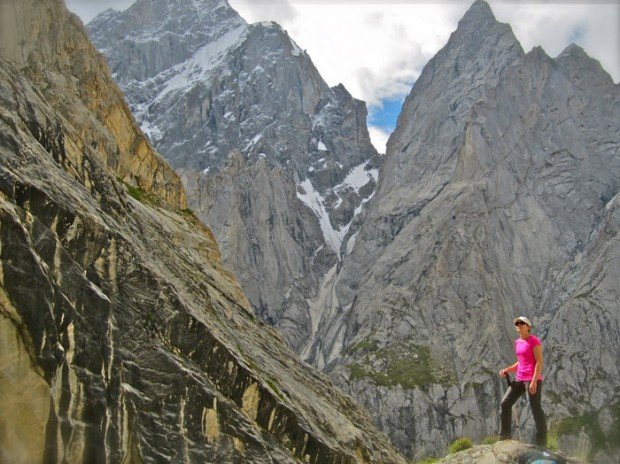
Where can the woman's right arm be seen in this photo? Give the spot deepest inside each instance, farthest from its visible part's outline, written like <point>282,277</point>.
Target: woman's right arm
<point>504,372</point>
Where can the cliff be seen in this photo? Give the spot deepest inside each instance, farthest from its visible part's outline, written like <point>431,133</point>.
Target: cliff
<point>204,84</point>
<point>498,198</point>
<point>123,337</point>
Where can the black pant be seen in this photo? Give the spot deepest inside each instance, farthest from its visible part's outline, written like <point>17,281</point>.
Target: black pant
<point>514,392</point>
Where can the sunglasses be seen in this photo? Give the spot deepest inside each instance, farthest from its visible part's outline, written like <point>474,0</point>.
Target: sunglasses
<point>520,323</point>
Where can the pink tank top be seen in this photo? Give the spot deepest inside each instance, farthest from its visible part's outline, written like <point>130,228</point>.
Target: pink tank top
<point>525,356</point>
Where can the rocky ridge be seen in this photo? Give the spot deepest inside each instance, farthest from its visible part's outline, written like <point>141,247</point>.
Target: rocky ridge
<point>498,197</point>
<point>205,84</point>
<point>60,58</point>
<point>123,336</point>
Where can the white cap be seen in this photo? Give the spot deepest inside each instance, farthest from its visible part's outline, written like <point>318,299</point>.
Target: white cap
<point>523,319</point>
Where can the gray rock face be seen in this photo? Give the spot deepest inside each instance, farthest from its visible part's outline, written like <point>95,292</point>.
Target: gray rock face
<point>155,35</point>
<point>123,338</point>
<point>498,197</point>
<point>249,88</point>
<point>242,199</point>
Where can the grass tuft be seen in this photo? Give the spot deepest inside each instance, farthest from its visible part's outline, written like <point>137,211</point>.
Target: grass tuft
<point>460,444</point>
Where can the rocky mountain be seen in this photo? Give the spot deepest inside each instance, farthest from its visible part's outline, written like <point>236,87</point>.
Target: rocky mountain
<point>498,197</point>
<point>274,161</point>
<point>123,337</point>
<point>504,452</point>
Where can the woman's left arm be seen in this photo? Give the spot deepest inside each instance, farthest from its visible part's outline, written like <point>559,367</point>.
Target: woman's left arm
<point>537,370</point>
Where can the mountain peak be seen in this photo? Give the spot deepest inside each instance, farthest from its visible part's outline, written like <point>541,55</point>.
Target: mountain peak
<point>186,26</point>
<point>573,50</point>
<point>478,27</point>
<point>479,12</point>
<point>579,65</point>
<point>151,15</point>
<point>480,7</point>
<point>479,43</point>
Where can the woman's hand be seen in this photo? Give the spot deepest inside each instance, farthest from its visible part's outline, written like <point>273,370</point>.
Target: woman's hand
<point>533,387</point>
<point>504,372</point>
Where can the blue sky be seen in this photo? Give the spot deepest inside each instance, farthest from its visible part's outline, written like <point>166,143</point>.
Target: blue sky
<point>385,114</point>
<point>382,119</point>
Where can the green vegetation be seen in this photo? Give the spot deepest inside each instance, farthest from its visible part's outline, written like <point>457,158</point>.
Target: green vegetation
<point>251,363</point>
<point>428,461</point>
<point>141,195</point>
<point>151,199</point>
<point>554,397</point>
<point>364,345</point>
<point>408,365</point>
<point>614,434</point>
<point>358,371</point>
<point>588,423</point>
<point>552,438</point>
<point>490,440</point>
<point>188,212</point>
<point>274,387</point>
<point>460,444</point>
<point>573,425</point>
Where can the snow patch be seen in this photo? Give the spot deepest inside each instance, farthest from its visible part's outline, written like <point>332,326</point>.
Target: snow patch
<point>151,130</point>
<point>610,202</point>
<point>359,176</point>
<point>351,242</point>
<point>356,179</point>
<point>296,51</point>
<point>313,199</point>
<point>359,208</point>
<point>315,307</point>
<point>252,142</point>
<point>204,60</point>
<point>319,119</point>
<point>321,147</point>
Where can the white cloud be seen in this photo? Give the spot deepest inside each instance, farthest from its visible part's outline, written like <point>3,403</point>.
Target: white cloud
<point>593,26</point>
<point>280,11</point>
<point>379,138</point>
<point>377,50</point>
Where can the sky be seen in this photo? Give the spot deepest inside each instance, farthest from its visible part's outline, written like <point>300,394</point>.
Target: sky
<point>377,49</point>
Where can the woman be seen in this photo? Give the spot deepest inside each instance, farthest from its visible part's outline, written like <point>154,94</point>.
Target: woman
<point>529,377</point>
